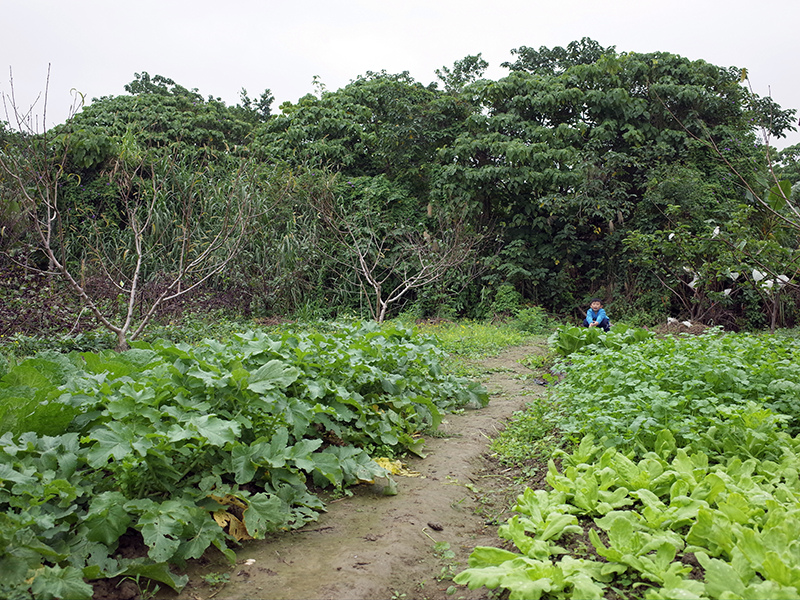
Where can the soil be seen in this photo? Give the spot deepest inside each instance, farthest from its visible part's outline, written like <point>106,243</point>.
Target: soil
<point>409,545</point>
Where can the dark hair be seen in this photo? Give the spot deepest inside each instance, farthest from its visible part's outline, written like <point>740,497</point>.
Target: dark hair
<point>593,300</point>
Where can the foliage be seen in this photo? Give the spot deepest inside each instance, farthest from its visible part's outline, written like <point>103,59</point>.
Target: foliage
<point>473,339</point>
<point>578,149</point>
<point>507,300</point>
<point>739,519</point>
<point>391,261</point>
<point>532,435</point>
<point>199,446</point>
<point>562,150</point>
<point>533,319</point>
<point>380,123</point>
<point>547,61</point>
<point>464,71</point>
<point>788,166</point>
<point>158,113</point>
<point>711,256</point>
<point>683,459</point>
<point>567,339</point>
<point>171,222</point>
<point>686,385</point>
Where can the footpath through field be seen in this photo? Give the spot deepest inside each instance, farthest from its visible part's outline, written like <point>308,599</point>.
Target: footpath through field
<point>407,546</point>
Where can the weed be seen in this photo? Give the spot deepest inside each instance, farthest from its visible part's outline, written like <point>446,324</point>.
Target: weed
<point>536,361</point>
<point>340,492</point>
<point>530,434</point>
<point>215,579</point>
<point>473,339</point>
<point>441,550</point>
<point>533,320</point>
<point>438,433</point>
<point>456,504</point>
<point>143,584</point>
<point>447,573</point>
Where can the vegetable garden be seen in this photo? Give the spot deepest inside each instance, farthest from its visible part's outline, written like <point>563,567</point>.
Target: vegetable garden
<point>678,478</point>
<point>637,178</point>
<point>684,482</point>
<point>189,447</point>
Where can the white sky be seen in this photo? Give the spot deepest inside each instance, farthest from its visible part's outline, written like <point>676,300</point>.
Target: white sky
<point>96,46</point>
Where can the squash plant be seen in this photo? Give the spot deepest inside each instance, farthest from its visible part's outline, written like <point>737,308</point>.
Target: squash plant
<point>188,447</point>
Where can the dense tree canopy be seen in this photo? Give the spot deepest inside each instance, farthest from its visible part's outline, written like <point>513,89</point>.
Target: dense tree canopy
<point>566,147</point>
<point>573,164</point>
<point>156,113</point>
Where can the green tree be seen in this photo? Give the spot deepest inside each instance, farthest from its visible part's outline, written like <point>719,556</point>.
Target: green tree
<point>158,113</point>
<point>379,135</point>
<point>256,111</point>
<point>464,71</point>
<point>378,125</point>
<point>553,61</point>
<point>561,152</point>
<point>787,165</point>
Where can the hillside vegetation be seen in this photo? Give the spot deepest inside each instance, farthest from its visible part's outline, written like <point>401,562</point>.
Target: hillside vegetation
<point>640,178</point>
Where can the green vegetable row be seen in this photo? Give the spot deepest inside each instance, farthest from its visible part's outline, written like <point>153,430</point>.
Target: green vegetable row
<point>684,485</point>
<point>186,447</point>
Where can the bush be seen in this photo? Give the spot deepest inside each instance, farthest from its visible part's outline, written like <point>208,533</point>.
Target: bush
<point>533,320</point>
<point>507,300</point>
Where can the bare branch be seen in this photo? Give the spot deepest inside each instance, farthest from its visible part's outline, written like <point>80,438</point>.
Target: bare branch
<point>411,258</point>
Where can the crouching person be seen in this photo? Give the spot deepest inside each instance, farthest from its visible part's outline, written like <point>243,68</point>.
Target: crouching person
<point>596,316</point>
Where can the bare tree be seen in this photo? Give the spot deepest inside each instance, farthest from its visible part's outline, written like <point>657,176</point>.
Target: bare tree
<point>179,221</point>
<point>390,264</point>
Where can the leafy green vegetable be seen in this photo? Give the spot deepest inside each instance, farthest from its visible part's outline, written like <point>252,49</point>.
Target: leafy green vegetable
<point>199,446</point>
<point>681,453</point>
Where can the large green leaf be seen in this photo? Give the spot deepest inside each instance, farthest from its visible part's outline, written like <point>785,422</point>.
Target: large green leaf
<point>106,520</point>
<point>275,374</point>
<point>162,527</point>
<point>264,513</point>
<point>57,583</point>
<point>114,440</point>
<point>160,572</point>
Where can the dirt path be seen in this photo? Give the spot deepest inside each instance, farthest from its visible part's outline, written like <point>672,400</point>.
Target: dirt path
<point>376,546</point>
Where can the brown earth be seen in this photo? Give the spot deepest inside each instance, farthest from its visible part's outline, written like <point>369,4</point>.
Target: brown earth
<point>410,545</point>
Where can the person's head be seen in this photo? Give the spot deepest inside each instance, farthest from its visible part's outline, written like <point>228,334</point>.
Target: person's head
<point>596,304</point>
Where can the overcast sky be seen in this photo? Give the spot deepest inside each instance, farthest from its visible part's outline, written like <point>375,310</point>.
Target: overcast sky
<point>96,46</point>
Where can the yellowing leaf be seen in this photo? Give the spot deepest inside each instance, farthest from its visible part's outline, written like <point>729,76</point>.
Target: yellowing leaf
<point>235,527</point>
<point>395,467</point>
<point>228,500</point>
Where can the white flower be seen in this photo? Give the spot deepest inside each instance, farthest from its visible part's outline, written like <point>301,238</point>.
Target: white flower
<point>671,235</point>
<point>716,232</point>
<point>733,275</point>
<point>686,323</point>
<point>782,280</point>
<point>727,291</point>
<point>758,275</point>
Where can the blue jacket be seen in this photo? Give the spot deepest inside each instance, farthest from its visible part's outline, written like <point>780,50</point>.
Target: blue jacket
<point>599,317</point>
